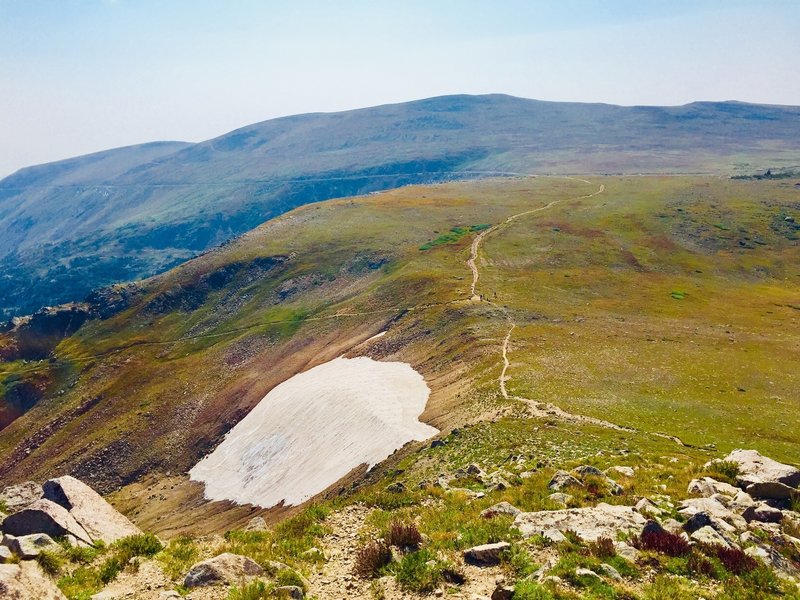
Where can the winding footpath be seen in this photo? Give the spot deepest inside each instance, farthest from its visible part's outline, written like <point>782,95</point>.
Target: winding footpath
<point>540,409</point>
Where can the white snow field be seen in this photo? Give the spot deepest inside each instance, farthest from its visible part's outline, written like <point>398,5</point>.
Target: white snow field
<point>313,429</point>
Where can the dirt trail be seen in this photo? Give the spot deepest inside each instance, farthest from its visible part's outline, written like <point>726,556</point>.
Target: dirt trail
<point>476,243</point>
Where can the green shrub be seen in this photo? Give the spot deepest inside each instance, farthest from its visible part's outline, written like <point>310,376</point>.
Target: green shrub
<point>289,577</point>
<point>723,470</point>
<point>518,562</point>
<point>180,554</point>
<point>256,590</point>
<point>414,573</point>
<point>144,544</point>
<point>50,562</point>
<point>110,569</point>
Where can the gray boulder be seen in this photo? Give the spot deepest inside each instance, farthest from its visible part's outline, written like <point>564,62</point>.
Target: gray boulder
<point>756,468</point>
<point>763,513</point>
<point>97,517</point>
<point>290,591</point>
<point>17,497</point>
<point>486,554</point>
<point>560,498</point>
<point>256,524</point>
<point>44,516</point>
<point>707,487</point>
<point>26,581</point>
<point>770,490</point>
<point>226,568</point>
<point>585,470</point>
<point>603,520</point>
<point>620,470</point>
<point>562,480</point>
<point>708,535</point>
<point>30,546</point>
<point>501,508</point>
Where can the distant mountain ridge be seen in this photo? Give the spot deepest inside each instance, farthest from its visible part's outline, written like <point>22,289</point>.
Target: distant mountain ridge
<point>72,226</point>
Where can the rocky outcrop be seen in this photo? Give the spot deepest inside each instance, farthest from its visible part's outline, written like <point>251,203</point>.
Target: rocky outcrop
<point>562,480</point>
<point>225,568</point>
<point>17,497</point>
<point>501,508</point>
<point>45,516</point>
<point>25,581</point>
<point>756,468</point>
<point>603,520</point>
<point>96,516</point>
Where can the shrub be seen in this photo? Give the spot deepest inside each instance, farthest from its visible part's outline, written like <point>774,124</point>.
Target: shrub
<point>723,470</point>
<point>256,590</point>
<point>81,584</point>
<point>404,535</point>
<point>110,569</point>
<point>289,577</point>
<point>178,556</point>
<point>79,554</point>
<point>697,564</point>
<point>144,544</point>
<point>663,542</point>
<point>418,572</point>
<point>602,548</point>
<point>49,561</point>
<point>372,558</point>
<point>735,560</point>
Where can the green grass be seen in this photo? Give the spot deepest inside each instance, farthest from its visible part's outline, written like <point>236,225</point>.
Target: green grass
<point>453,236</point>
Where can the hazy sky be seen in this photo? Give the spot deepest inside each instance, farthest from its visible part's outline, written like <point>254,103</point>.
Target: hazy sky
<point>78,76</point>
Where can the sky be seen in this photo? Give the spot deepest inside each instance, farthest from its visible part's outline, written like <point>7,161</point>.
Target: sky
<point>79,76</point>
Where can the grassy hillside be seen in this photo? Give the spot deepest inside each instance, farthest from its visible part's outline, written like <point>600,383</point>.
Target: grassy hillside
<point>76,225</point>
<point>665,304</point>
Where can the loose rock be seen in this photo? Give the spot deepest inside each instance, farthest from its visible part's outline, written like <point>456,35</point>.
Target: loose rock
<point>589,523</point>
<point>17,497</point>
<point>756,468</point>
<point>486,554</point>
<point>501,508</point>
<point>562,480</point>
<point>26,581</point>
<point>30,546</point>
<point>228,568</point>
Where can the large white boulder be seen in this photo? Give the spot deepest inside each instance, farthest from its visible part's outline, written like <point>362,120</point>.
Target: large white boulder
<point>44,516</point>
<point>100,520</point>
<point>26,581</point>
<point>226,568</point>
<point>756,468</point>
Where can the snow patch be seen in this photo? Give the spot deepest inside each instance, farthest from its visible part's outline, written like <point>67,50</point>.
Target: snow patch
<point>313,429</point>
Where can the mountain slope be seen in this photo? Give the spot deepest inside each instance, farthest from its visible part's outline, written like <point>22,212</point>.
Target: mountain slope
<point>665,305</point>
<point>73,226</point>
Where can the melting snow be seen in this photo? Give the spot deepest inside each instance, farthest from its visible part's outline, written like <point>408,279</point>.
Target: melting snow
<point>313,429</point>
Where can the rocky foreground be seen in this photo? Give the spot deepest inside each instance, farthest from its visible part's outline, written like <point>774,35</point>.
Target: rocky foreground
<point>63,540</point>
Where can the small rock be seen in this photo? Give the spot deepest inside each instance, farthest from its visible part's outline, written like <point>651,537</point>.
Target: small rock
<point>561,498</point>
<point>562,480</point>
<point>398,487</point>
<point>227,567</point>
<point>697,521</point>
<point>486,554</point>
<point>501,508</point>
<point>5,554</point>
<point>585,470</point>
<point>709,535</point>
<point>290,591</point>
<point>256,524</point>
<point>646,507</point>
<point>437,443</point>
<point>762,512</point>
<point>610,572</point>
<point>624,471</point>
<point>672,526</point>
<point>627,551</point>
<point>758,553</point>
<point>583,572</point>
<point>652,527</point>
<point>475,470</point>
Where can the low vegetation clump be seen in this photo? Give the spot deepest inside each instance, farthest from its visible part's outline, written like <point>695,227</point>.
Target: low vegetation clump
<point>50,562</point>
<point>723,470</point>
<point>372,558</point>
<point>419,571</point>
<point>662,542</point>
<point>453,236</point>
<point>404,535</point>
<point>255,590</point>
<point>179,555</point>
